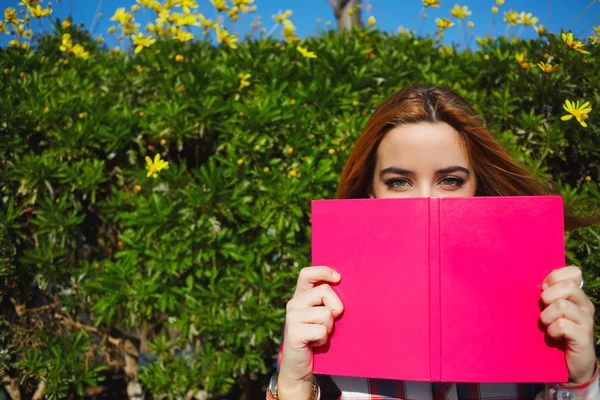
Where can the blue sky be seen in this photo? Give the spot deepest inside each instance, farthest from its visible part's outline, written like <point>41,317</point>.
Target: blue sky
<point>390,14</point>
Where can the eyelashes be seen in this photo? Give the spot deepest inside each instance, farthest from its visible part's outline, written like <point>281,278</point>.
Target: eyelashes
<point>449,182</point>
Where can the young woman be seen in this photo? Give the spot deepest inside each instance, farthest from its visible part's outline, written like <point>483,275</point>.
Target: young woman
<point>427,141</point>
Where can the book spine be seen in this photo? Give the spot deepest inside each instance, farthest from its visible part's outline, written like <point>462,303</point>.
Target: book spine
<point>435,323</point>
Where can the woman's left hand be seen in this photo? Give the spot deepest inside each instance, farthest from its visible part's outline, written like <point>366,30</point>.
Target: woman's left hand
<point>569,314</point>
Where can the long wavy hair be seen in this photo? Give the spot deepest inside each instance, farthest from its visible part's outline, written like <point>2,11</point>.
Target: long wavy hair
<point>496,172</point>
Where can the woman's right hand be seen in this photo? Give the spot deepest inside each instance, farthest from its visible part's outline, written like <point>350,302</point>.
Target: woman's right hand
<point>308,322</point>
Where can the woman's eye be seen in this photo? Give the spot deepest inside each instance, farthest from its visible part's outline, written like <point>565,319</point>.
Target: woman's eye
<point>453,182</point>
<point>397,184</point>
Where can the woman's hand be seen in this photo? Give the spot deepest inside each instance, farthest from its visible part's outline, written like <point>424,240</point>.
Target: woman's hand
<point>308,322</point>
<point>569,314</point>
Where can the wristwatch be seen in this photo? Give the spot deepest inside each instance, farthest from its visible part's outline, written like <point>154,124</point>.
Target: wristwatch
<point>315,392</point>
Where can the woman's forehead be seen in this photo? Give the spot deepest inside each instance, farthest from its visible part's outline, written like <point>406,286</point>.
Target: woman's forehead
<point>424,145</point>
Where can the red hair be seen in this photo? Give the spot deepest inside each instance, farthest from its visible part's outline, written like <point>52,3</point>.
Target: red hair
<point>496,172</point>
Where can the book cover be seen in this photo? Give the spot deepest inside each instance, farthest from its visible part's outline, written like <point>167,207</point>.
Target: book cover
<point>441,289</point>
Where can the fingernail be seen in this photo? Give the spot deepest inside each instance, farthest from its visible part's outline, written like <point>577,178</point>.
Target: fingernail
<point>336,276</point>
<point>545,286</point>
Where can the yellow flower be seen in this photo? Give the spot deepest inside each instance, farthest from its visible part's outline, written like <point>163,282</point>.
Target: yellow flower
<point>122,16</point>
<point>66,24</point>
<point>290,150</point>
<point>206,23</point>
<point>432,3</point>
<point>460,12</point>
<point>139,69</point>
<point>443,23</point>
<point>588,178</point>
<point>293,173</point>
<point>234,13</point>
<point>575,110</point>
<point>6,71</point>
<point>156,6</point>
<point>511,17</point>
<point>187,4</point>
<point>494,10</point>
<point>224,37</point>
<point>144,3</point>
<point>486,57</point>
<point>188,19</point>
<point>137,188</point>
<point>280,17</point>
<point>141,114</point>
<point>522,61</point>
<point>220,5</point>
<point>180,88</point>
<point>179,58</point>
<point>135,8</point>
<point>305,52</point>
<point>331,151</point>
<point>14,43</point>
<point>244,82</point>
<point>140,41</point>
<point>81,115</point>
<point>597,30</point>
<point>470,24</point>
<point>10,15</point>
<point>46,110</point>
<point>289,31</point>
<point>371,21</point>
<point>499,2</point>
<point>541,30</point>
<point>574,44</point>
<point>79,52</point>
<point>163,142</point>
<point>488,39</point>
<point>266,169</point>
<point>111,29</point>
<point>527,19</point>
<point>154,167</point>
<point>594,40</point>
<point>547,68</point>
<point>3,27</point>
<point>67,43</point>
<point>240,161</point>
<point>184,36</point>
<point>257,147</point>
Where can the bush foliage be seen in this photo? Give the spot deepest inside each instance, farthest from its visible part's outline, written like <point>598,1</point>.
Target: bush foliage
<point>180,281</point>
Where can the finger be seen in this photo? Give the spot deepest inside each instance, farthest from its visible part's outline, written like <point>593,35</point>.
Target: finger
<point>563,308</point>
<point>567,290</point>
<point>309,276</point>
<point>319,296</point>
<point>306,334</point>
<point>315,315</point>
<point>569,330</point>
<point>570,273</point>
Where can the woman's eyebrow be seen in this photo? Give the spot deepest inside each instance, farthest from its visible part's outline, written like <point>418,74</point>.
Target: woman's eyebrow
<point>453,168</point>
<point>402,171</point>
<point>395,170</point>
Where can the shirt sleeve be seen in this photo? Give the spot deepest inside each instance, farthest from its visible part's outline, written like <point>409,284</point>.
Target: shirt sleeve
<point>589,390</point>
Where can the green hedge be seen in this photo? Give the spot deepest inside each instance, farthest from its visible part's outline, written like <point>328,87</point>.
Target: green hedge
<point>188,273</point>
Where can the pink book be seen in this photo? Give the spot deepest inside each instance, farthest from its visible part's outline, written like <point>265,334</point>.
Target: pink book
<point>441,289</point>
